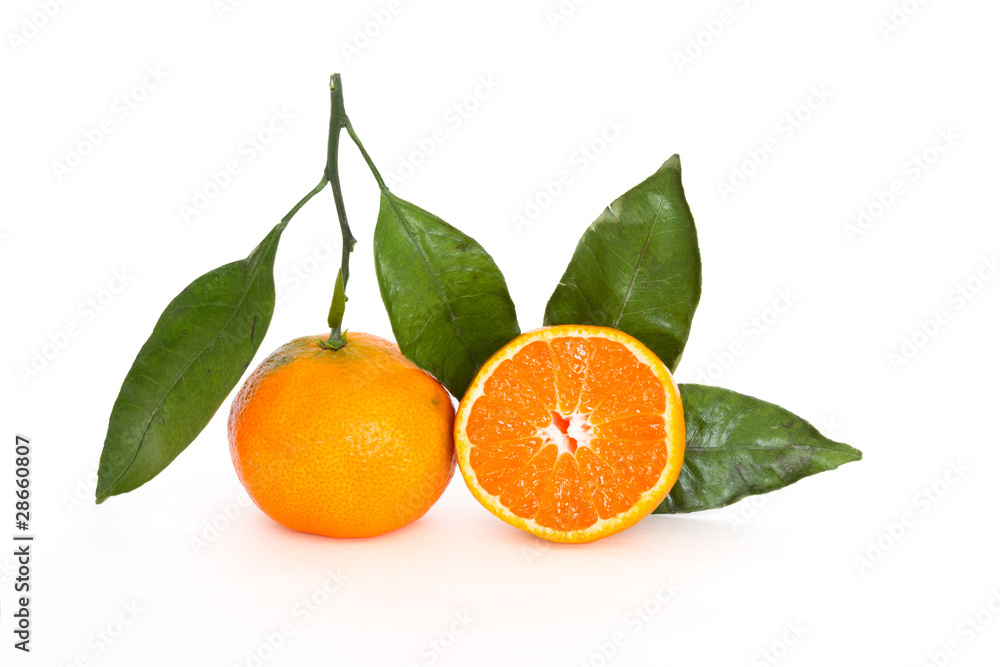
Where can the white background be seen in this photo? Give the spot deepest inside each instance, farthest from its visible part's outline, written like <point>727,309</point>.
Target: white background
<point>132,570</point>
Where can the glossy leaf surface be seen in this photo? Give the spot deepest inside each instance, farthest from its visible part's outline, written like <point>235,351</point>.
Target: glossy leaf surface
<point>739,446</point>
<point>637,268</point>
<point>446,299</point>
<point>199,348</point>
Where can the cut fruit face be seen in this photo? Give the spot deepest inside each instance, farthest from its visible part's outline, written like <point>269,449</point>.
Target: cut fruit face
<point>571,433</point>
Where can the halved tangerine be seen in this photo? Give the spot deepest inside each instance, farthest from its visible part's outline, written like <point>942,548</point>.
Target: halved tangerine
<point>571,432</point>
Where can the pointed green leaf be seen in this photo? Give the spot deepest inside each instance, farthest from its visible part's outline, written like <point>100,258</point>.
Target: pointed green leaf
<point>198,350</point>
<point>338,304</point>
<point>447,300</point>
<point>739,446</point>
<point>637,268</point>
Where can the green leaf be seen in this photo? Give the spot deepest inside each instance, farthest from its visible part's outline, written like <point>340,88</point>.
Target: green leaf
<point>637,268</point>
<point>338,304</point>
<point>447,300</point>
<point>739,446</point>
<point>198,350</point>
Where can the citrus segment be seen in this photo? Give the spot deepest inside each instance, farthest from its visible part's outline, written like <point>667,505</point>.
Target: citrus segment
<point>521,493</point>
<point>569,363</point>
<point>566,505</point>
<point>498,464</point>
<point>571,432</point>
<point>492,421</point>
<point>609,365</point>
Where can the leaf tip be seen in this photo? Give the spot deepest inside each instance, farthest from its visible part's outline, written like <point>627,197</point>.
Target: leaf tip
<point>101,494</point>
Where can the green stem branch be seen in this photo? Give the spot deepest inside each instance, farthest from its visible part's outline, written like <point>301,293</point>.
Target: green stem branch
<point>302,202</point>
<point>364,153</point>
<point>338,120</point>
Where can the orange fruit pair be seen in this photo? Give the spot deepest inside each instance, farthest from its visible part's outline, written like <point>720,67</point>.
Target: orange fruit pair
<point>571,433</point>
<point>352,442</point>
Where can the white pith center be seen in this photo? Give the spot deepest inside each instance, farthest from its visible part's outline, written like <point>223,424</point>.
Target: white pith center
<point>578,429</point>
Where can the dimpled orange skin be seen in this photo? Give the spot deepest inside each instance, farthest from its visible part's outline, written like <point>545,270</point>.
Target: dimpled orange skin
<point>344,443</point>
